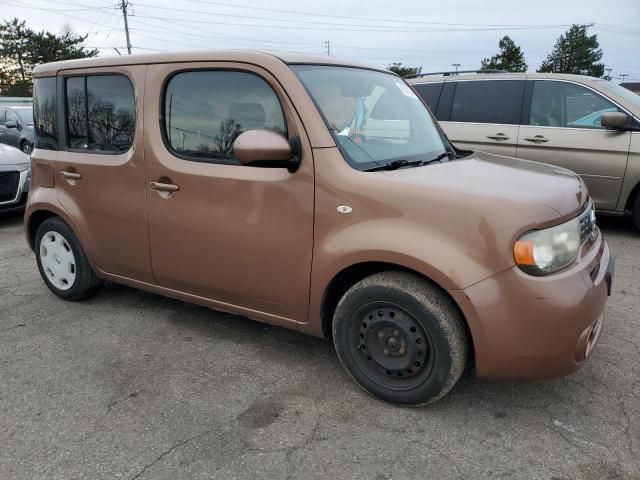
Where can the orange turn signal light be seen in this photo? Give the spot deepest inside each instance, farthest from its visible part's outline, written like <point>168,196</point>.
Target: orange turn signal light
<point>523,252</point>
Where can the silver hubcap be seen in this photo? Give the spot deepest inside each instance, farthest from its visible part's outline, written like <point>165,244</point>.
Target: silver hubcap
<point>57,260</point>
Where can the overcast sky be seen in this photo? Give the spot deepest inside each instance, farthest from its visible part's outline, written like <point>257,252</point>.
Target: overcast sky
<point>432,34</point>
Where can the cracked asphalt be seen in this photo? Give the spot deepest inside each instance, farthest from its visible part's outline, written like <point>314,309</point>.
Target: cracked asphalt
<point>136,386</point>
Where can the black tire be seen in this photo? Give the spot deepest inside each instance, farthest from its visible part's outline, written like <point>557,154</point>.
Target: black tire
<point>430,350</point>
<point>636,211</point>
<point>26,147</point>
<point>86,283</point>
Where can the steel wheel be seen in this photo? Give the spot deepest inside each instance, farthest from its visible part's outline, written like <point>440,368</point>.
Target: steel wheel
<point>391,346</point>
<point>58,261</point>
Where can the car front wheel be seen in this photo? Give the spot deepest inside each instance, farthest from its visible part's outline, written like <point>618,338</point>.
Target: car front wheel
<point>26,147</point>
<point>636,211</point>
<point>401,338</point>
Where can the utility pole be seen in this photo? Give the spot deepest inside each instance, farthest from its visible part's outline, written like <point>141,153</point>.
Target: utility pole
<point>123,6</point>
<point>623,76</point>
<point>608,77</point>
<point>327,45</point>
<point>456,65</point>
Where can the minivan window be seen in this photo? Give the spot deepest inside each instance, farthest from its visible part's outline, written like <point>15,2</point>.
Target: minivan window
<point>430,93</point>
<point>25,114</point>
<point>375,117</point>
<point>488,101</point>
<point>100,113</point>
<point>205,111</point>
<point>45,112</point>
<point>564,104</point>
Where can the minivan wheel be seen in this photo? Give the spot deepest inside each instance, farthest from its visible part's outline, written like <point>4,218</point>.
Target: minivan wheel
<point>26,147</point>
<point>401,338</point>
<point>62,262</point>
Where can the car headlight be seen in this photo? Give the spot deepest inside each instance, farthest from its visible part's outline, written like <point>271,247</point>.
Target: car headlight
<point>541,252</point>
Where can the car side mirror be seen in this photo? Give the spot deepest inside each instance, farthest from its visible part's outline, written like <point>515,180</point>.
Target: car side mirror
<point>265,148</point>
<point>617,120</point>
<point>10,124</point>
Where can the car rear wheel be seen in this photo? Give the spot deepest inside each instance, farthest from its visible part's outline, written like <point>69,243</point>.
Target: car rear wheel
<point>401,338</point>
<point>62,262</point>
<point>26,147</point>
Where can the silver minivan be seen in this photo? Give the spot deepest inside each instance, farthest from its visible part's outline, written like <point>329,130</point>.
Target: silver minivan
<point>588,125</point>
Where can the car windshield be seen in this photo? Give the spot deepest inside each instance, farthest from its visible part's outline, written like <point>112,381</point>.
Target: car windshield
<point>628,95</point>
<point>25,114</point>
<point>374,116</point>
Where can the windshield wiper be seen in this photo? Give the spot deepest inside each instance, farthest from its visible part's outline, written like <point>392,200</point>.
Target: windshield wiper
<point>447,154</point>
<point>395,165</point>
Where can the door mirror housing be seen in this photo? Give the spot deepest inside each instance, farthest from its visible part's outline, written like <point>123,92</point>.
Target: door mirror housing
<point>264,148</point>
<point>10,124</point>
<point>617,120</point>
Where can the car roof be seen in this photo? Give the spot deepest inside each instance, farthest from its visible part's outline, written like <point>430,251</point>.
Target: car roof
<point>426,78</point>
<point>247,56</point>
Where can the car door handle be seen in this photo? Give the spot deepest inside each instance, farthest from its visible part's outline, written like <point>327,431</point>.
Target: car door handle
<point>71,175</point>
<point>537,139</point>
<point>163,187</point>
<point>498,136</point>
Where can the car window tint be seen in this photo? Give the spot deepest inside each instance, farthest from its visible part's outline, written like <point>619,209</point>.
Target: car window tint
<point>111,113</point>
<point>205,111</point>
<point>76,113</point>
<point>564,104</point>
<point>45,110</point>
<point>488,101</point>
<point>1,117</point>
<point>430,93</point>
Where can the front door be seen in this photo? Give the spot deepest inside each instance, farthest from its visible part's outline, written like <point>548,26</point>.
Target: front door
<point>12,129</point>
<point>236,235</point>
<point>564,129</point>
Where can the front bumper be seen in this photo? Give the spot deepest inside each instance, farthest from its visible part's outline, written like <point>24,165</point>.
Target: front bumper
<point>538,327</point>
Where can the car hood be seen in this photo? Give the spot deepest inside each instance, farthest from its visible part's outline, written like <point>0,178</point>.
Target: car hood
<point>522,191</point>
<point>11,157</point>
<point>481,205</point>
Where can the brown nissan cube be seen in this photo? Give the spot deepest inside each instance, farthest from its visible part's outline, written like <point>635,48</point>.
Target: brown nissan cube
<point>317,195</point>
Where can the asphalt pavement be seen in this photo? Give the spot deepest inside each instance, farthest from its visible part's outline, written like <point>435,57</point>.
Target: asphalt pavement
<point>136,386</point>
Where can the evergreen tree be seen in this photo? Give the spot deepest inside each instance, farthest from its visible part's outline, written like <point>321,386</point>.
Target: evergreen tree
<point>575,52</point>
<point>21,49</point>
<point>510,58</point>
<point>401,70</point>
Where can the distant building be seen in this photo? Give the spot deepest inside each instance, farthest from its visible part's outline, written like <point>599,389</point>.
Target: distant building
<point>633,86</point>
<point>8,101</point>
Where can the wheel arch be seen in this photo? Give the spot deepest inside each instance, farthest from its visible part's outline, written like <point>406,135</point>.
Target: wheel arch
<point>349,276</point>
<point>632,197</point>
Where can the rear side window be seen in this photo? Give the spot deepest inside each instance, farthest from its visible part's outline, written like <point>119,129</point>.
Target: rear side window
<point>430,93</point>
<point>205,111</point>
<point>100,113</point>
<point>45,113</point>
<point>488,101</point>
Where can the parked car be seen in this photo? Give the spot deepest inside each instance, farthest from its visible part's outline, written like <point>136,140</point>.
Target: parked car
<point>15,176</point>
<point>16,127</point>
<point>317,195</point>
<point>588,125</point>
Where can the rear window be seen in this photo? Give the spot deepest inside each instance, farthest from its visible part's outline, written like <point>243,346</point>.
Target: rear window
<point>100,113</point>
<point>488,101</point>
<point>45,113</point>
<point>430,93</point>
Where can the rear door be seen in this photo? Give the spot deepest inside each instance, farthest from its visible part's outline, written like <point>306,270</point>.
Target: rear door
<point>483,114</point>
<point>562,127</point>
